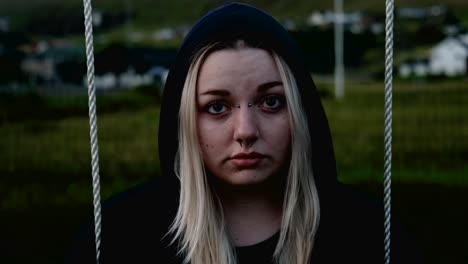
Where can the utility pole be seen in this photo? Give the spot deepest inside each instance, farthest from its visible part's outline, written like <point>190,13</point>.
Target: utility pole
<point>339,68</point>
<point>128,18</point>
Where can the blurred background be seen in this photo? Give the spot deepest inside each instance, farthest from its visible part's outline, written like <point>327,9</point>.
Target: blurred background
<point>45,174</point>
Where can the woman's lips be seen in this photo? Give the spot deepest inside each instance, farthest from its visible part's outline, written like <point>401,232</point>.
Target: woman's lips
<point>247,159</point>
<point>246,162</point>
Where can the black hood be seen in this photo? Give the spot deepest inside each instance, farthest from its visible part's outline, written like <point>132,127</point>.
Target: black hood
<point>230,22</point>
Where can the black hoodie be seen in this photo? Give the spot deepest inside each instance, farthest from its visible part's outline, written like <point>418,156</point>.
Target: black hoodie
<point>135,222</point>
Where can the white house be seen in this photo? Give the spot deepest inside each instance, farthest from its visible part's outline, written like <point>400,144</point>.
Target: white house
<point>129,79</point>
<point>166,33</point>
<point>450,56</point>
<point>414,67</point>
<point>318,18</point>
<point>97,18</point>
<point>421,12</point>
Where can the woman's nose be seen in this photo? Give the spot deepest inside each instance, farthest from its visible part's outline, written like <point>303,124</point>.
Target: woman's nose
<point>246,127</point>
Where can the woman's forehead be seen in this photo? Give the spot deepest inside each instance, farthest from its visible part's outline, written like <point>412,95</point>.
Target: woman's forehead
<point>233,67</point>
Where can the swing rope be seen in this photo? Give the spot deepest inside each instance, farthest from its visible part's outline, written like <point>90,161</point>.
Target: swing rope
<point>93,125</point>
<point>388,125</point>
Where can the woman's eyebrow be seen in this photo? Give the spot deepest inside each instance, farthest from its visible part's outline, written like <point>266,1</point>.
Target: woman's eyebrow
<point>260,89</point>
<point>265,86</point>
<point>218,92</point>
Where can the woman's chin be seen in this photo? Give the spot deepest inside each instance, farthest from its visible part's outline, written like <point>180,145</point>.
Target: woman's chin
<point>245,177</point>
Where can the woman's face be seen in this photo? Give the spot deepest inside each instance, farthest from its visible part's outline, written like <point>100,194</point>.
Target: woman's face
<point>242,117</point>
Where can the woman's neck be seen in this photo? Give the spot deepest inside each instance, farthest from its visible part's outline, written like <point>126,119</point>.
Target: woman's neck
<point>252,213</point>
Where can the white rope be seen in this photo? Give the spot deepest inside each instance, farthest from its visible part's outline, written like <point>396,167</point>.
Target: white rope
<point>388,125</point>
<point>93,125</point>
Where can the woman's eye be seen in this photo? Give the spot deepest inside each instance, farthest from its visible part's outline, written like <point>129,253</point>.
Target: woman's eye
<point>272,102</point>
<point>216,108</point>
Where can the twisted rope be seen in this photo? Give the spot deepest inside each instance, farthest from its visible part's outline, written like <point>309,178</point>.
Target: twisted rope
<point>93,125</point>
<point>388,125</point>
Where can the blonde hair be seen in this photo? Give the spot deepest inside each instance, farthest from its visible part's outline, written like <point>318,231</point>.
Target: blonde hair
<point>199,224</point>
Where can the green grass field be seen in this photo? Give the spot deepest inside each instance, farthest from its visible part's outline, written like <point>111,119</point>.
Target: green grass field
<point>429,132</point>
<point>46,173</point>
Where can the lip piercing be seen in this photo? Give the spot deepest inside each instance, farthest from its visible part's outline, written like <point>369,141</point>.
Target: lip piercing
<point>248,105</point>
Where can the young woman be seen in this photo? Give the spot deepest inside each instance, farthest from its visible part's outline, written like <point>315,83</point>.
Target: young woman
<point>243,156</point>
<point>248,170</point>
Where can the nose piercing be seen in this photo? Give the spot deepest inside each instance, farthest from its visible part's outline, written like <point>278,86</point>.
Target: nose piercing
<point>248,105</point>
<point>245,143</point>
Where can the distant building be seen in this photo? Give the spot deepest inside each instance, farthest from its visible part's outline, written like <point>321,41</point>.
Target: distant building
<point>421,13</point>
<point>414,68</point>
<point>42,68</point>
<point>119,66</point>
<point>330,17</point>
<point>128,79</point>
<point>355,22</point>
<point>53,61</point>
<point>97,18</point>
<point>449,57</point>
<point>166,33</point>
<point>159,73</point>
